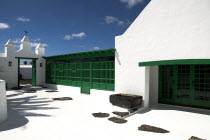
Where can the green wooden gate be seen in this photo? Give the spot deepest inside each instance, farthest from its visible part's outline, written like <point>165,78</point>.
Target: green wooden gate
<point>33,72</point>
<point>185,85</point>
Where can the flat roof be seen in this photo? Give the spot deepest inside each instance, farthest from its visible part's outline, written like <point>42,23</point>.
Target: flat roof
<point>88,54</point>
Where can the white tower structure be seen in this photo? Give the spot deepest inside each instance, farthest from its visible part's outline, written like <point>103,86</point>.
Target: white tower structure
<point>9,48</point>
<point>40,50</point>
<point>25,43</point>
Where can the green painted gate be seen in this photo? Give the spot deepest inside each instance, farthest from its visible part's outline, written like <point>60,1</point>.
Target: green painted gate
<point>187,85</point>
<point>33,72</point>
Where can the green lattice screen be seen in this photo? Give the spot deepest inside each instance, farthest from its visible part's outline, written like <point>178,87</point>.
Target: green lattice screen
<point>185,85</point>
<point>100,74</point>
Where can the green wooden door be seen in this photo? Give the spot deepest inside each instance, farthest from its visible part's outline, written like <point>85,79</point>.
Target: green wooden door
<point>33,72</point>
<point>86,77</point>
<point>185,85</point>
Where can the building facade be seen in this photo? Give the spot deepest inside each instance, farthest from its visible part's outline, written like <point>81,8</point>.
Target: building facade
<point>164,54</point>
<point>10,62</point>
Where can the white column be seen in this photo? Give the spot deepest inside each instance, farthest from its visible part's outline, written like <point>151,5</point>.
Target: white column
<point>3,101</point>
<point>146,95</point>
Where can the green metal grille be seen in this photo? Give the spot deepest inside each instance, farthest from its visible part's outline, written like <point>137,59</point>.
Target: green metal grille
<point>87,75</point>
<point>183,82</point>
<point>167,82</point>
<point>202,83</point>
<point>185,85</point>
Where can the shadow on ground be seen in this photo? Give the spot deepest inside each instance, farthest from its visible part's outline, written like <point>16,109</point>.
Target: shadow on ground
<point>180,108</point>
<point>19,108</point>
<point>177,108</point>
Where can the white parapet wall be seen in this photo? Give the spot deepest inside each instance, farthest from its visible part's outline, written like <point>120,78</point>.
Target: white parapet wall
<point>68,90</point>
<point>3,102</point>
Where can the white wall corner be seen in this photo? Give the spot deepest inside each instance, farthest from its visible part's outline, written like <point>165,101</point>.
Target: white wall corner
<point>146,90</point>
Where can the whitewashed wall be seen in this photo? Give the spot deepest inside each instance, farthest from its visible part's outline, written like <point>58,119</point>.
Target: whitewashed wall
<point>165,30</point>
<point>10,73</point>
<point>3,102</point>
<point>40,71</point>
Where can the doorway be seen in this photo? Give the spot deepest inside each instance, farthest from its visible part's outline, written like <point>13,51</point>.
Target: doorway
<point>186,85</point>
<point>26,71</point>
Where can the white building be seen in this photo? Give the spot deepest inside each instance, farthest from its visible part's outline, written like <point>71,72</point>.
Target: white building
<point>164,55</point>
<point>10,62</point>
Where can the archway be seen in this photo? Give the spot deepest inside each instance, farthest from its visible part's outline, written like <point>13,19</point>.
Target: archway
<point>33,71</point>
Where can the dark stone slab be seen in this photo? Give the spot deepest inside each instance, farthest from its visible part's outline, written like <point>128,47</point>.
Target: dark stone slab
<point>121,114</point>
<point>150,128</point>
<point>29,91</point>
<point>196,138</point>
<point>62,98</point>
<point>51,91</point>
<point>117,120</point>
<point>127,101</point>
<point>100,115</point>
<point>16,88</point>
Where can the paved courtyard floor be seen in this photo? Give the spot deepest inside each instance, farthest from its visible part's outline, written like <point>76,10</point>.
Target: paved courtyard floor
<point>35,116</point>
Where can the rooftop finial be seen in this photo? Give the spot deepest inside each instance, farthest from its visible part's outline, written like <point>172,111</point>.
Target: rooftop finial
<point>26,32</point>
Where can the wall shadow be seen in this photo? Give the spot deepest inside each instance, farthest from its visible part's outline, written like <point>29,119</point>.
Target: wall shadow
<point>180,108</point>
<point>175,108</point>
<point>19,108</point>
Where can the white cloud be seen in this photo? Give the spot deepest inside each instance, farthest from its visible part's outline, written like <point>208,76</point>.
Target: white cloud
<point>96,48</point>
<point>89,48</point>
<point>17,40</point>
<point>131,3</point>
<point>110,19</point>
<point>35,44</point>
<point>115,20</point>
<point>23,19</point>
<point>4,25</point>
<point>35,40</point>
<point>72,36</point>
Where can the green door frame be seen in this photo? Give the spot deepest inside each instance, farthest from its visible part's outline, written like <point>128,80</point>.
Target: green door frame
<point>33,69</point>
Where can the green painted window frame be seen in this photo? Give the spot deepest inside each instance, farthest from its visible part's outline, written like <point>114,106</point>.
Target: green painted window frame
<point>175,62</point>
<point>191,101</point>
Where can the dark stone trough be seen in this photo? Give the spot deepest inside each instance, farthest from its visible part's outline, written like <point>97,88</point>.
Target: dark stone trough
<point>127,101</point>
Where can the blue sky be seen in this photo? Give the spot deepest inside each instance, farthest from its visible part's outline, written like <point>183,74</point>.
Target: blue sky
<point>67,26</point>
